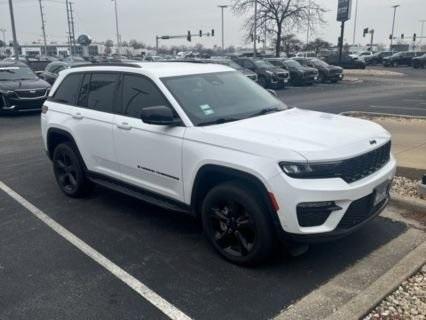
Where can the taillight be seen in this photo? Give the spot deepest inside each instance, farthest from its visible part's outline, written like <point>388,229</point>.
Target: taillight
<point>44,109</point>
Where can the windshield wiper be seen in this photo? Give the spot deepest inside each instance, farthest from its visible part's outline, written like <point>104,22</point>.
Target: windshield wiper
<point>218,121</point>
<point>265,111</point>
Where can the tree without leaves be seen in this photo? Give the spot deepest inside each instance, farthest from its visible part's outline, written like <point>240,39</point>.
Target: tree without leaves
<point>317,45</point>
<point>277,15</point>
<point>291,43</point>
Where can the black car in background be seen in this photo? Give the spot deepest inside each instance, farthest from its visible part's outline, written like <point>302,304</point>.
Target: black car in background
<point>268,75</point>
<point>232,64</point>
<point>403,58</point>
<point>52,69</point>
<point>419,62</point>
<point>377,58</point>
<point>326,72</point>
<point>347,61</point>
<point>20,88</point>
<point>299,75</point>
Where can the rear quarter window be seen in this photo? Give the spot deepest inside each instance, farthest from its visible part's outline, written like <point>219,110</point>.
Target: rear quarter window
<point>69,89</point>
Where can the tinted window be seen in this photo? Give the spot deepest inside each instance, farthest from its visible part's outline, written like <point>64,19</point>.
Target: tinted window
<point>68,89</point>
<point>139,93</point>
<point>102,91</point>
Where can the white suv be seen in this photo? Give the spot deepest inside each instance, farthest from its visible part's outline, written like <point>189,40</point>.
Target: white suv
<point>204,139</point>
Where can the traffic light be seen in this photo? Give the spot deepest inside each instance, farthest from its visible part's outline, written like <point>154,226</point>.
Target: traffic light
<point>201,33</point>
<point>212,32</point>
<point>189,37</point>
<point>365,32</point>
<point>402,36</point>
<point>414,37</point>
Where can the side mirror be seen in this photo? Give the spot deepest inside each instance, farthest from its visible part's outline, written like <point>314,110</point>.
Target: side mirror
<point>273,92</point>
<point>159,115</point>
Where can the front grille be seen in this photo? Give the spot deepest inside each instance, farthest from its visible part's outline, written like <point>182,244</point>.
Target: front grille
<point>282,75</point>
<point>31,94</point>
<point>359,211</point>
<point>21,104</point>
<point>355,169</point>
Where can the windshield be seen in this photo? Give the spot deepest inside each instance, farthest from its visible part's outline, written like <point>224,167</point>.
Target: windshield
<point>16,73</point>
<point>262,64</point>
<point>221,97</point>
<point>320,63</point>
<point>292,64</point>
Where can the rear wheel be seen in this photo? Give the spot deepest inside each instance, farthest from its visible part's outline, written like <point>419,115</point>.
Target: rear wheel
<point>69,172</point>
<point>237,224</point>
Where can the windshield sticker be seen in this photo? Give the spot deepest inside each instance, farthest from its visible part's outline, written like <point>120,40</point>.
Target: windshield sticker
<point>207,110</point>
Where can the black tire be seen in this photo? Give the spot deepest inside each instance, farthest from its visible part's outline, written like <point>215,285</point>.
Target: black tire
<point>237,224</point>
<point>395,64</point>
<point>69,171</point>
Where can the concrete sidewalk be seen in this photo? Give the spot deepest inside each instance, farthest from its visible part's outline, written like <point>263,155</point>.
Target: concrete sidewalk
<point>408,140</point>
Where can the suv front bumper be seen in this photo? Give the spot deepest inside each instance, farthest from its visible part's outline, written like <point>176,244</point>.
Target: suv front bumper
<point>354,202</point>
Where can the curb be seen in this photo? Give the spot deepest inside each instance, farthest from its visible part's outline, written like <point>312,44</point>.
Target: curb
<point>408,203</point>
<point>361,304</point>
<point>380,114</point>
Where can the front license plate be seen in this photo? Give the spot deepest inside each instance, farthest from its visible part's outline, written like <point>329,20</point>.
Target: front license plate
<point>381,192</point>
<point>315,78</point>
<point>285,81</point>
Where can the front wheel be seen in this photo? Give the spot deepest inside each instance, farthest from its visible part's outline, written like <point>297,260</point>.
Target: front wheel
<point>237,224</point>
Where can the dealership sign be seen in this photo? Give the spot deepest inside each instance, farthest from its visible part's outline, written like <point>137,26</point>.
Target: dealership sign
<point>344,10</point>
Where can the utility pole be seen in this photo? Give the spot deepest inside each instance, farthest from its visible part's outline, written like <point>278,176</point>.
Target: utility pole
<point>15,41</point>
<point>222,7</point>
<point>43,28</point>
<point>116,28</point>
<point>355,22</point>
<point>255,30</point>
<point>73,43</point>
<point>393,24</point>
<point>69,26</point>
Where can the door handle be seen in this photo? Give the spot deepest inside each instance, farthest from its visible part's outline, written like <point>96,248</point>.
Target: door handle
<point>77,116</point>
<point>124,126</point>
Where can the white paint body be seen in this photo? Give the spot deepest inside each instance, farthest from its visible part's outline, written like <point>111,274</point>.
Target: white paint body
<point>255,145</point>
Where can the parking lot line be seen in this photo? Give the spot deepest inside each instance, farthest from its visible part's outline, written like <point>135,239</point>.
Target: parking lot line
<point>164,306</point>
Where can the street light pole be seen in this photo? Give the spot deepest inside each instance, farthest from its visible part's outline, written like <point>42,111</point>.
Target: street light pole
<point>3,31</point>
<point>43,28</point>
<point>422,30</point>
<point>355,22</point>
<point>222,7</point>
<point>116,27</point>
<point>393,23</point>
<point>12,20</point>
<point>255,30</point>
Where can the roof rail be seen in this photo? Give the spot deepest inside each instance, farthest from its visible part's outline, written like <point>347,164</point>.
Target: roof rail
<point>106,64</point>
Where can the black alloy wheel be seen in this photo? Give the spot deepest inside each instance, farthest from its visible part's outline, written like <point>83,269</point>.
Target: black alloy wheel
<point>236,224</point>
<point>69,171</point>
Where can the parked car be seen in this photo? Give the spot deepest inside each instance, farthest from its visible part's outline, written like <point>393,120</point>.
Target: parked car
<point>204,139</point>
<point>50,74</point>
<point>347,61</point>
<point>20,88</point>
<point>299,75</point>
<point>419,62</point>
<point>269,76</point>
<point>400,59</point>
<point>377,58</point>
<point>232,64</point>
<point>326,72</point>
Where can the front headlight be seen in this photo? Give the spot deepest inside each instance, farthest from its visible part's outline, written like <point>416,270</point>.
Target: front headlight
<point>269,72</point>
<point>304,170</point>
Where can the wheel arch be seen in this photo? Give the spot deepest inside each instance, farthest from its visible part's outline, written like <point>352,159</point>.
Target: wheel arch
<point>210,175</point>
<point>56,136</point>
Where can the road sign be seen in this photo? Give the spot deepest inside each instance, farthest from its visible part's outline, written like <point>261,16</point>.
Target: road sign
<point>344,8</point>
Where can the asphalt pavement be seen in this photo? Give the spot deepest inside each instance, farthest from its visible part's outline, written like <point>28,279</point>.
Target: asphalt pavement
<point>44,276</point>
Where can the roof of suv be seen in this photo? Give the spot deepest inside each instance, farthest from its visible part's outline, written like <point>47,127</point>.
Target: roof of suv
<point>163,69</point>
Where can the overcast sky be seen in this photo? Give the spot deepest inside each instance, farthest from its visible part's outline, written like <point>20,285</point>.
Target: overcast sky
<point>143,19</point>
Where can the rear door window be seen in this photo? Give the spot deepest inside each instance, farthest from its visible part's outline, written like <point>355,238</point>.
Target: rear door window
<point>102,91</point>
<point>68,90</point>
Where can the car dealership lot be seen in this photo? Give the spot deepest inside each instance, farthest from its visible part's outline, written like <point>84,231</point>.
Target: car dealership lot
<point>42,274</point>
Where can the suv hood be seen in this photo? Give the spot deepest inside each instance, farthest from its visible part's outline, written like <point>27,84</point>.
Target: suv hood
<point>296,135</point>
<point>275,70</point>
<point>23,84</point>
